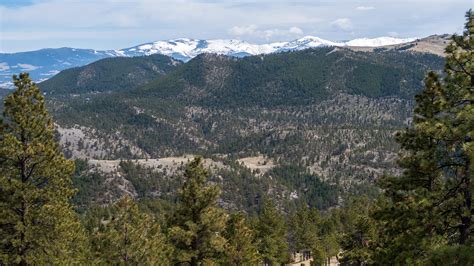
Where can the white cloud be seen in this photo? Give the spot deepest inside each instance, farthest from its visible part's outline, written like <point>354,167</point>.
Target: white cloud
<point>342,24</point>
<point>267,34</point>
<point>365,8</point>
<point>296,30</point>
<point>115,24</point>
<point>243,30</point>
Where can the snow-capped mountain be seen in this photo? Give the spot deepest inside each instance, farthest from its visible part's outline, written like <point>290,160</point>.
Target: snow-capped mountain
<point>184,49</point>
<point>43,64</point>
<point>376,42</point>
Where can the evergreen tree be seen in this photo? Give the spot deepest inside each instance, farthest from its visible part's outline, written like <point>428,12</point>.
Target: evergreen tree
<point>305,232</point>
<point>430,205</point>
<point>272,235</point>
<point>129,236</point>
<point>359,232</point>
<point>198,223</point>
<point>37,223</point>
<point>356,242</point>
<point>241,248</point>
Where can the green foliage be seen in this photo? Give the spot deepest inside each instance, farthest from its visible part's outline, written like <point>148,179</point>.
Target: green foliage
<point>198,223</point>
<point>430,205</point>
<point>306,234</point>
<point>311,190</point>
<point>145,181</point>
<point>279,105</point>
<point>37,223</point>
<point>360,232</point>
<point>110,74</point>
<point>89,185</point>
<point>241,248</point>
<point>271,231</point>
<point>452,255</point>
<point>129,237</point>
<point>294,78</point>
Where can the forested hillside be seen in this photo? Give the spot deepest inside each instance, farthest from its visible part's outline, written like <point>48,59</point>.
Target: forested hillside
<point>110,74</point>
<point>207,164</point>
<point>320,117</point>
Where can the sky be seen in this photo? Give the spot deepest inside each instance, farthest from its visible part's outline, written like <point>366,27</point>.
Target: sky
<point>114,24</point>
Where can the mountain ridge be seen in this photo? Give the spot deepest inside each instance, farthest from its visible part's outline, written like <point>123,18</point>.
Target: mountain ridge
<point>45,63</point>
<point>319,114</point>
<point>185,48</point>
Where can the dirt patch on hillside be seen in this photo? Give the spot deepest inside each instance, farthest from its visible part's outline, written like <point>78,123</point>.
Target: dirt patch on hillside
<point>259,163</point>
<point>169,164</point>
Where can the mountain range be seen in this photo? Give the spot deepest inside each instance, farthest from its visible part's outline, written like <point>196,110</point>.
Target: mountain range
<point>293,118</point>
<point>45,63</point>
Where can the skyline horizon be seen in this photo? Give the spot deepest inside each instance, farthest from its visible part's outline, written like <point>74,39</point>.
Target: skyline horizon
<point>28,25</point>
<point>226,39</point>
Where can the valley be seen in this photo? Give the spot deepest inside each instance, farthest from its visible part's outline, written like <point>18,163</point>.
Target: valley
<point>262,148</point>
<point>324,115</point>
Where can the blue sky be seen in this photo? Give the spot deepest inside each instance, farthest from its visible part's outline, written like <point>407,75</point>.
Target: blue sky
<point>114,24</point>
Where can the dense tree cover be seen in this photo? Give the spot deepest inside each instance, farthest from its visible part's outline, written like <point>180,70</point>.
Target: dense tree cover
<point>272,234</point>
<point>294,78</point>
<point>188,112</point>
<point>358,234</point>
<point>314,192</point>
<point>324,117</point>
<point>110,74</point>
<point>37,223</point>
<point>89,184</point>
<point>422,217</point>
<point>305,232</point>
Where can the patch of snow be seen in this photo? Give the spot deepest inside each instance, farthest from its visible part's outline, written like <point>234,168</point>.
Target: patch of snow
<point>185,49</point>
<point>375,42</point>
<point>4,66</point>
<point>27,67</point>
<point>6,85</point>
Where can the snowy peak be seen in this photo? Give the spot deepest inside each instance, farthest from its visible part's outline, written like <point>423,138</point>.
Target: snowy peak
<point>375,42</point>
<point>309,42</point>
<point>45,63</point>
<point>185,49</point>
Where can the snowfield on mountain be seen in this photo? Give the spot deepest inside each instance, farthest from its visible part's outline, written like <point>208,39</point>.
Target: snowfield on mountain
<point>45,63</point>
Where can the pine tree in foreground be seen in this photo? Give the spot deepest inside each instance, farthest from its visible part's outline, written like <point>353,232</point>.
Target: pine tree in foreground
<point>305,232</point>
<point>357,238</point>
<point>429,210</point>
<point>272,235</point>
<point>37,223</point>
<point>130,237</point>
<point>241,248</point>
<point>198,223</point>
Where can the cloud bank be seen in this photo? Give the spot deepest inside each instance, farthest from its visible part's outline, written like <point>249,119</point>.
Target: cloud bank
<point>112,24</point>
